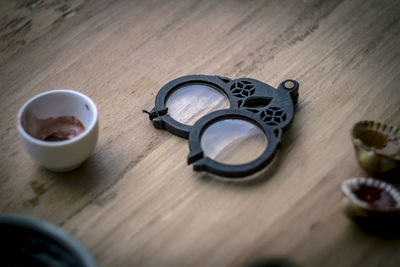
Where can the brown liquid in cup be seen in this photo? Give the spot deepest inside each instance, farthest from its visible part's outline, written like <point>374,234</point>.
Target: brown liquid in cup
<point>53,129</point>
<point>376,197</point>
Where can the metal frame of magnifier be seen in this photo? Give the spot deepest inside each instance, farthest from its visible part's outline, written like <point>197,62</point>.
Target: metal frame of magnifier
<point>271,109</point>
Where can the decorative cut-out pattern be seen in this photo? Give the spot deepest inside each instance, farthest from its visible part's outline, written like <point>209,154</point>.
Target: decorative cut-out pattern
<point>258,102</point>
<point>273,116</point>
<point>242,89</point>
<point>224,79</point>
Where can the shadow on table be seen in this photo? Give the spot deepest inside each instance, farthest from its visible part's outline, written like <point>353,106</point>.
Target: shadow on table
<point>385,230</point>
<point>272,262</point>
<point>95,175</point>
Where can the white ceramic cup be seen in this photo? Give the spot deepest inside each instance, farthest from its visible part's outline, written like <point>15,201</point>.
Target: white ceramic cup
<point>65,155</point>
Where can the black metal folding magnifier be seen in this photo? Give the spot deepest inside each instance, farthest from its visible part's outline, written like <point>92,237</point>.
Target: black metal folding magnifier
<point>209,152</point>
<point>241,114</point>
<point>180,101</point>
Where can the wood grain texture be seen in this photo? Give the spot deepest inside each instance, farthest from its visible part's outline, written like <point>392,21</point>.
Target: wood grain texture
<point>135,202</point>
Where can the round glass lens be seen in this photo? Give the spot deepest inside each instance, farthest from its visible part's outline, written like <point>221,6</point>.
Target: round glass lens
<point>233,141</point>
<point>189,103</point>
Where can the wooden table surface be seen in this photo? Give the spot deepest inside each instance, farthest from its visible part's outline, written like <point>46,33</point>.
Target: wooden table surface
<point>135,201</point>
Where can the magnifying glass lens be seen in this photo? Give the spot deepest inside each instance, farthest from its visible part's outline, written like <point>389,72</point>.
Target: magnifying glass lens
<point>233,141</point>
<point>189,103</point>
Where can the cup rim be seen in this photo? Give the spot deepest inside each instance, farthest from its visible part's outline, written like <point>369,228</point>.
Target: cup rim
<point>32,139</point>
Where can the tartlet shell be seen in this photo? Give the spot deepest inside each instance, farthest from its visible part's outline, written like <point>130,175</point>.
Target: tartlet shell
<point>370,138</point>
<point>356,208</point>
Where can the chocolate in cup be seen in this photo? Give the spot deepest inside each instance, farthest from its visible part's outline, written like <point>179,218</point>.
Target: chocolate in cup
<point>53,129</point>
<point>59,129</point>
<point>373,204</point>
